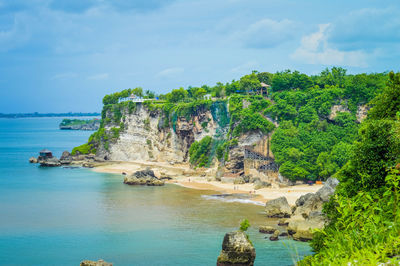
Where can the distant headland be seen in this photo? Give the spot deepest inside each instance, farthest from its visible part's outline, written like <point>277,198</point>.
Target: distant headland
<point>36,114</point>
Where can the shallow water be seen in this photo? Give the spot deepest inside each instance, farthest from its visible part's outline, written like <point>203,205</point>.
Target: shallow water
<point>58,216</point>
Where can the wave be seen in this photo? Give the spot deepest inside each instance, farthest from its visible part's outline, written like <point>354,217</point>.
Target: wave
<point>231,198</point>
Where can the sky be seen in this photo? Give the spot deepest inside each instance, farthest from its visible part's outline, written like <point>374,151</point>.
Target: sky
<point>65,55</point>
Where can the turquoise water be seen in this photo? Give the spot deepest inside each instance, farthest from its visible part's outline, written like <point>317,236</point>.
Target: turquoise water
<point>59,216</point>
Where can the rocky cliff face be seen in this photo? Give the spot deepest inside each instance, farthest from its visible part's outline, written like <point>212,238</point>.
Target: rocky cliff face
<point>143,136</point>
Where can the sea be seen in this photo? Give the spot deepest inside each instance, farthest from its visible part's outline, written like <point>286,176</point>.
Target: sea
<point>61,215</point>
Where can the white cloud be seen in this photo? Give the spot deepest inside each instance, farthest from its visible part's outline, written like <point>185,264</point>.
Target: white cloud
<point>315,49</point>
<point>170,72</point>
<point>100,76</point>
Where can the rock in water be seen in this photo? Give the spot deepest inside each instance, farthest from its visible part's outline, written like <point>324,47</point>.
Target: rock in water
<point>278,208</point>
<point>265,229</point>
<point>33,160</point>
<point>95,263</point>
<point>66,158</point>
<point>236,250</point>
<point>145,177</point>
<point>53,161</point>
<point>275,236</point>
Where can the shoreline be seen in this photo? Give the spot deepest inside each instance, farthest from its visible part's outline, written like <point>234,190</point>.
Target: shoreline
<point>184,176</point>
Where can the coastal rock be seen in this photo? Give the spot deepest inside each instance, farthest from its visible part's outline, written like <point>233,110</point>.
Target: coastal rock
<point>66,158</point>
<point>325,192</point>
<point>283,222</point>
<point>307,214</point>
<point>236,250</point>
<point>95,263</point>
<point>49,162</point>
<point>33,160</point>
<point>265,229</point>
<point>313,203</point>
<point>300,201</point>
<point>143,178</point>
<point>278,208</point>
<point>304,228</point>
<point>275,236</point>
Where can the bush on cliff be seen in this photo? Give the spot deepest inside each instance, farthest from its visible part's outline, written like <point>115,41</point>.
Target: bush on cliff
<point>200,152</point>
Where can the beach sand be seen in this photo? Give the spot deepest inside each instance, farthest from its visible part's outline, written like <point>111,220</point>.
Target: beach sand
<point>183,175</point>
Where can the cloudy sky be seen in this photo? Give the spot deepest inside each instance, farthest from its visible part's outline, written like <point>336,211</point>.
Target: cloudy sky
<point>65,55</point>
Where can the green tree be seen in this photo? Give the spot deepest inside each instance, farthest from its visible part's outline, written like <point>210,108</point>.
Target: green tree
<point>249,83</point>
<point>177,95</point>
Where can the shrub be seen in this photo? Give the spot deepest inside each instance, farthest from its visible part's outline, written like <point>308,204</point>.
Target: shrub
<point>244,225</point>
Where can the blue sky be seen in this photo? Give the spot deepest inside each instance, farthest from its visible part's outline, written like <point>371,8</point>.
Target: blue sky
<point>65,55</point>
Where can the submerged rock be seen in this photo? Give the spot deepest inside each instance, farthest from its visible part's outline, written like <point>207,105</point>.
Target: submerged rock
<point>278,208</point>
<point>95,263</point>
<point>236,250</point>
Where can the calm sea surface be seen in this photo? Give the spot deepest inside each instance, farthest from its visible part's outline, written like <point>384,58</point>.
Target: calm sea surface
<point>60,216</point>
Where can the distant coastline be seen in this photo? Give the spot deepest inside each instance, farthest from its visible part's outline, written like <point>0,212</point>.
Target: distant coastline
<point>36,114</point>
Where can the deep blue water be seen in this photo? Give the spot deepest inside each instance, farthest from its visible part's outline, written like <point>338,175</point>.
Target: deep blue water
<point>59,216</point>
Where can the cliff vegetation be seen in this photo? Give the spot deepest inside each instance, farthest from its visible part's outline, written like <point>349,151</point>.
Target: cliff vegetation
<point>313,120</point>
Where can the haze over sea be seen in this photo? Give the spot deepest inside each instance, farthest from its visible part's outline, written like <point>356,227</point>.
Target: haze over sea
<point>61,216</point>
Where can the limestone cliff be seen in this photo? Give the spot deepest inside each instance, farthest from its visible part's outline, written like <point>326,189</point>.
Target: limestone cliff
<point>144,135</point>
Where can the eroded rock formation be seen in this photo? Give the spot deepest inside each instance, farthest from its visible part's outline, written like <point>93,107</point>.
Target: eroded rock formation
<point>236,250</point>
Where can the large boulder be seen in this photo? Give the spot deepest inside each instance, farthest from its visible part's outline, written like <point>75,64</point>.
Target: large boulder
<point>236,250</point>
<point>143,178</point>
<point>66,158</point>
<point>304,228</point>
<point>95,263</point>
<point>312,202</point>
<point>278,208</point>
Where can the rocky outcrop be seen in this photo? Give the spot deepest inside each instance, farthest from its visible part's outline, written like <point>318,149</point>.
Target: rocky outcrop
<point>335,109</point>
<point>278,208</point>
<point>49,162</point>
<point>362,112</point>
<point>66,158</point>
<point>95,263</point>
<point>143,178</point>
<point>236,250</point>
<point>307,214</point>
<point>302,229</point>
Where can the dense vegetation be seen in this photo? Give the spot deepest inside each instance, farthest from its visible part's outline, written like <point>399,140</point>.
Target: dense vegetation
<point>76,122</point>
<point>364,213</point>
<point>310,143</point>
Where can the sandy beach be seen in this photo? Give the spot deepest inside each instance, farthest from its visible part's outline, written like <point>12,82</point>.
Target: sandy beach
<point>183,175</point>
